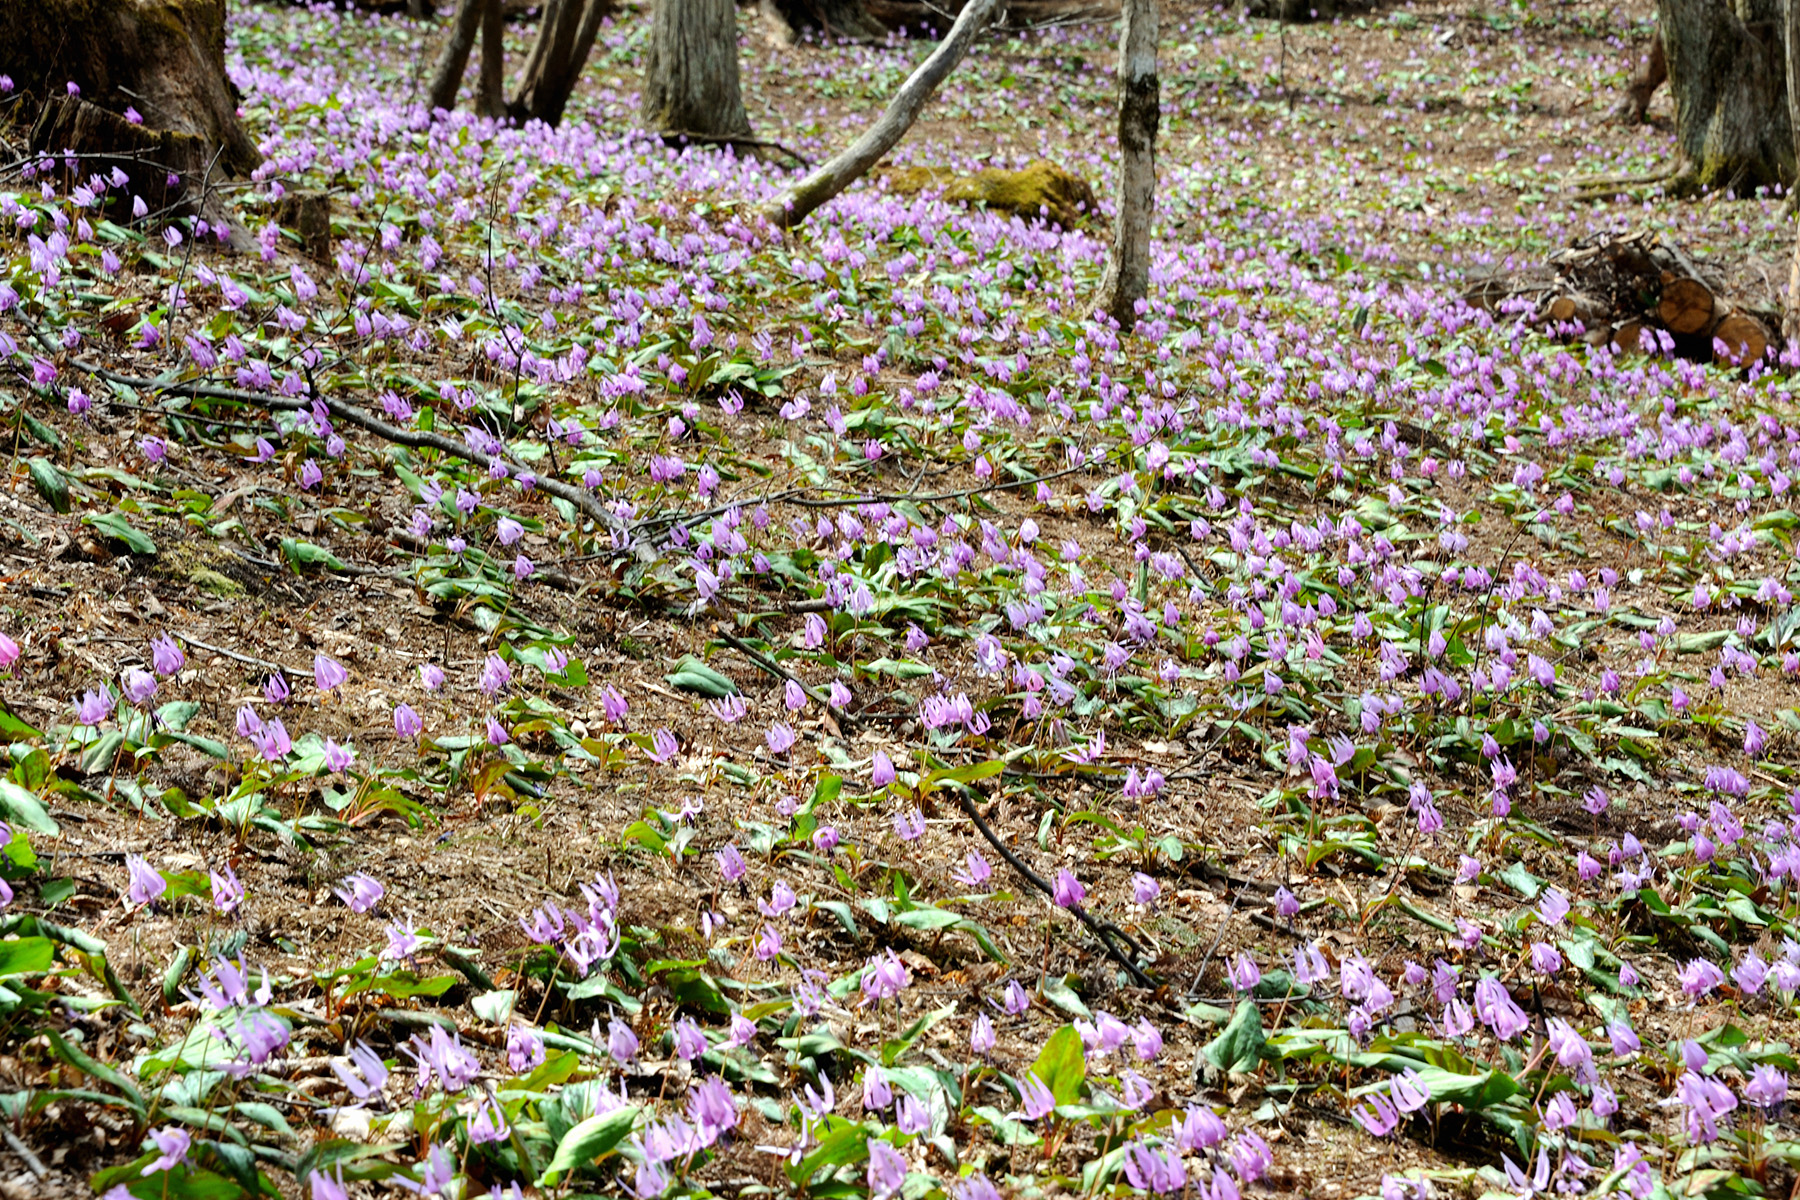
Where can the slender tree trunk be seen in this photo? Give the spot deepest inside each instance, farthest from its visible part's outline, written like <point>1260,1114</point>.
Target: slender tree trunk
<point>1127,277</point>
<point>453,59</point>
<point>1652,74</point>
<point>492,101</point>
<point>691,71</point>
<point>1728,79</point>
<point>799,201</point>
<point>565,37</point>
<point>1790,316</point>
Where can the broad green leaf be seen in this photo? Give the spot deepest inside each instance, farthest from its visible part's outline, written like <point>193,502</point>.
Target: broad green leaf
<point>301,554</point>
<point>50,482</point>
<point>26,956</point>
<point>1239,1045</point>
<point>692,675</point>
<point>587,1142</point>
<point>22,807</point>
<point>1062,1065</point>
<point>119,529</point>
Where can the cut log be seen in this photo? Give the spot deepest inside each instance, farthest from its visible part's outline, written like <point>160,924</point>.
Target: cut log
<point>151,98</point>
<point>1575,306</point>
<point>1686,307</point>
<point>1740,339</point>
<point>1629,338</point>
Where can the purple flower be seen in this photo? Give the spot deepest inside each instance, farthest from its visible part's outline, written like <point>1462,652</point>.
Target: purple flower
<point>328,673</point>
<point>1150,1170</point>
<point>1409,1091</point>
<point>978,870</point>
<point>172,1144</point>
<point>1069,891</point>
<point>524,1048</point>
<point>1147,1039</point>
<point>911,1117</point>
<point>663,747</point>
<point>95,707</point>
<point>166,657</point>
<point>1377,1116</point>
<point>1199,1129</point>
<point>1287,905</point>
<point>1244,973</point>
<point>884,977</point>
<point>1014,999</point>
<point>488,1124</point>
<point>731,863</point>
<point>910,825</point>
<point>621,1042</point>
<point>881,770</point>
<point>139,686</point>
<point>780,738</point>
<point>1700,977</point>
<point>147,884</point>
<point>876,1093</point>
<point>407,724</point>
<point>1767,1087</point>
<point>272,741</point>
<point>362,892</point>
<point>887,1170</point>
<point>1035,1099</point>
<point>374,1072</point>
<point>495,674</point>
<point>275,689</point>
<point>338,758</point>
<point>981,1036</point>
<point>431,677</point>
<point>1144,889</point>
<point>227,892</point>
<point>496,733</point>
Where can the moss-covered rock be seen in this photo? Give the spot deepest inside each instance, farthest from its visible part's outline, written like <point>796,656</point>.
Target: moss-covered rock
<point>1041,189</point>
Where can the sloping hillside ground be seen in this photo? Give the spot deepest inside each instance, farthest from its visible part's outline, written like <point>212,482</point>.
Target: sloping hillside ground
<point>1408,697</point>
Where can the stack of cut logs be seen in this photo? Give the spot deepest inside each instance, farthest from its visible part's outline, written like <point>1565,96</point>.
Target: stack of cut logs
<point>1627,292</point>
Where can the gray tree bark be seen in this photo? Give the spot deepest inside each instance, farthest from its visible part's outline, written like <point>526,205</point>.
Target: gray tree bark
<point>1790,311</point>
<point>691,71</point>
<point>491,101</point>
<point>1127,276</point>
<point>453,58</point>
<point>1727,74</point>
<point>566,34</point>
<point>845,168</point>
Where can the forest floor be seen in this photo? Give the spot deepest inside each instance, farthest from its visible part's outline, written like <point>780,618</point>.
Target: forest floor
<point>1309,619</point>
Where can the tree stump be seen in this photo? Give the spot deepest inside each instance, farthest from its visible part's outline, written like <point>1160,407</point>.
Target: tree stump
<point>152,99</point>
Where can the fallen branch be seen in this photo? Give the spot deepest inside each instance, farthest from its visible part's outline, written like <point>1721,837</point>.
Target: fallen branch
<point>1103,931</point>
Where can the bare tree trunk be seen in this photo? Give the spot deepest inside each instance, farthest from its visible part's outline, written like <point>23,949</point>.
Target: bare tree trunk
<point>1728,79</point>
<point>566,34</point>
<point>691,71</point>
<point>1790,315</point>
<point>845,168</point>
<point>453,59</point>
<point>1127,277</point>
<point>492,99</point>
<point>1652,74</point>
